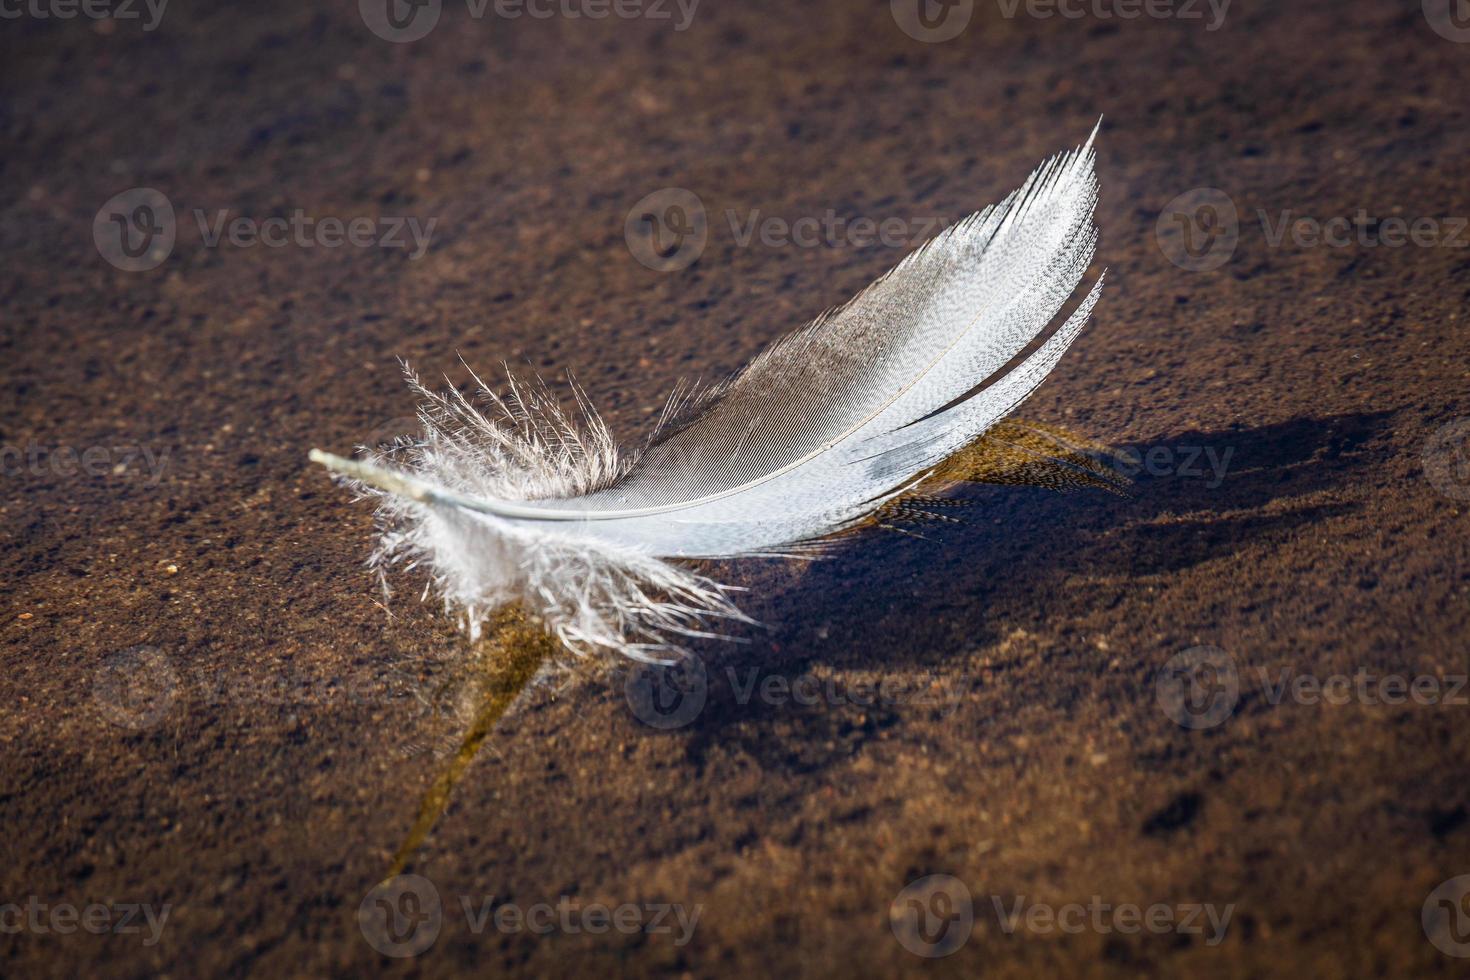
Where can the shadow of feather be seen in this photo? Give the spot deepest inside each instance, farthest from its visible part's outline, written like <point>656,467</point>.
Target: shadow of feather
<point>514,652</point>
<point>904,609</point>
<point>909,607</point>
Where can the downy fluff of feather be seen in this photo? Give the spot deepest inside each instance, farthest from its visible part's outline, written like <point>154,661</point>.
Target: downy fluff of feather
<point>529,504</point>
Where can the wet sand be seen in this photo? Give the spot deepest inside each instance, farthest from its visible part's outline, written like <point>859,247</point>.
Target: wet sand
<point>283,727</point>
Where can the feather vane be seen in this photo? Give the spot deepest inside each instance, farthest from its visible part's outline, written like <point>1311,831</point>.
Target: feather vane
<point>818,433</point>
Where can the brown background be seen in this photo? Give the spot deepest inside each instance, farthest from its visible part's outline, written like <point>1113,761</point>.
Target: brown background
<point>289,763</point>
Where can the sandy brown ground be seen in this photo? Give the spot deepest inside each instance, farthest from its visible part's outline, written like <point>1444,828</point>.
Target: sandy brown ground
<point>265,795</point>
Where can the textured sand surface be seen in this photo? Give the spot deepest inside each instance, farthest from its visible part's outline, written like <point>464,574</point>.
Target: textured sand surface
<point>295,725</point>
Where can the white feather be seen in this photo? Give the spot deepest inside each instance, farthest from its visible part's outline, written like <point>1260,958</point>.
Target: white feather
<point>815,434</point>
